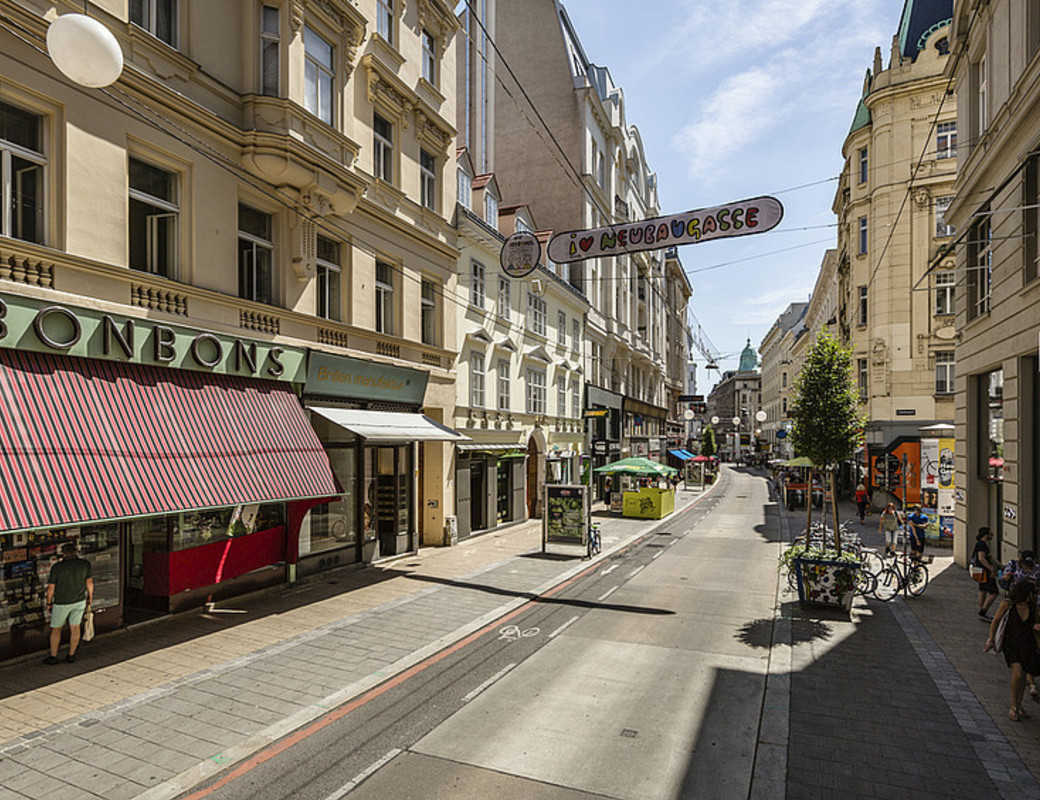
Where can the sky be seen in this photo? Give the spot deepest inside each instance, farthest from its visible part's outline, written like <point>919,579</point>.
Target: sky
<point>734,100</point>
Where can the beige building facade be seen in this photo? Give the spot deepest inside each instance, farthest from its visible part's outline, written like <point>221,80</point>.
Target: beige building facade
<point>279,174</point>
<point>997,76</point>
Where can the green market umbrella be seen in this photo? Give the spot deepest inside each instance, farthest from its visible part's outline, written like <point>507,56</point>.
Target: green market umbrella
<point>636,466</point>
<point>801,461</point>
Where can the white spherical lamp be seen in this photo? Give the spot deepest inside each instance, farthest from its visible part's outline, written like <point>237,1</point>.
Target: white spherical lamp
<point>714,420</point>
<point>84,50</point>
<point>736,421</point>
<point>761,416</point>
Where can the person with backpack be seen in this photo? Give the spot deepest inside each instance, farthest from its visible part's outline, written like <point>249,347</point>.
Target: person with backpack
<point>861,501</point>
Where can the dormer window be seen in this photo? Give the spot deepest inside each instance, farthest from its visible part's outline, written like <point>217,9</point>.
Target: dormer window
<point>522,226</point>
<point>490,209</point>
<point>465,190</point>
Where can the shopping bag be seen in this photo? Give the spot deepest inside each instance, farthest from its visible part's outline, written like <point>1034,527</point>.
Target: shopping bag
<point>88,625</point>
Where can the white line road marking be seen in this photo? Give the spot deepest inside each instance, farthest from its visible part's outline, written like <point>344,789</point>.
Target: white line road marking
<point>609,569</point>
<point>487,683</point>
<point>608,593</point>
<point>634,572</point>
<point>565,625</point>
<point>356,781</point>
<point>656,555</point>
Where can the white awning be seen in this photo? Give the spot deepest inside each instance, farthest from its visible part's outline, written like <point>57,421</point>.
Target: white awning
<point>489,446</point>
<point>386,426</point>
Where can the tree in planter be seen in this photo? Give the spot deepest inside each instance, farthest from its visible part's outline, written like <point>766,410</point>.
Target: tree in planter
<point>708,441</point>
<point>828,426</point>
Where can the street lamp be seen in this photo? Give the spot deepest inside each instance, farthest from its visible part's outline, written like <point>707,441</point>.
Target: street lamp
<point>84,50</point>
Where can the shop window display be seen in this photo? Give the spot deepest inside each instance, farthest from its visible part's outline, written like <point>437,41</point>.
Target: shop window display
<point>26,562</point>
<point>332,525</point>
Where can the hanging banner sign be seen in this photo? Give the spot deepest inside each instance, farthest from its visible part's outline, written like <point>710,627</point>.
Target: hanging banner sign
<point>757,215</point>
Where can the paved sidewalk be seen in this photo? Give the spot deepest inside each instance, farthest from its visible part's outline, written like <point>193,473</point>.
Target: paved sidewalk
<point>150,711</point>
<point>878,709</point>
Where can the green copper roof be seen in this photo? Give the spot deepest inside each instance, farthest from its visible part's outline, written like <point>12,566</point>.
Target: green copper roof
<point>862,118</point>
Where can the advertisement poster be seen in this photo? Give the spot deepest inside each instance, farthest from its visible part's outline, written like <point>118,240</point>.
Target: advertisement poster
<point>565,514</point>
<point>947,499</point>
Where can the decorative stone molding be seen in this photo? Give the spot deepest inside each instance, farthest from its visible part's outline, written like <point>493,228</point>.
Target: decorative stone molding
<point>388,349</point>
<point>431,359</point>
<point>23,270</point>
<point>922,197</point>
<point>333,337</point>
<point>426,130</point>
<point>342,14</point>
<point>258,321</point>
<point>158,299</point>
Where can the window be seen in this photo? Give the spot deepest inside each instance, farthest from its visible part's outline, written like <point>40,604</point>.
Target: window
<point>318,75</point>
<point>944,288</point>
<point>522,226</point>
<point>153,219</point>
<point>944,366</point>
<point>946,140</point>
<point>383,148</point>
<point>862,235</point>
<point>561,329</point>
<point>255,255</point>
<point>535,314</point>
<point>384,297</point>
<point>270,52</point>
<point>561,396</point>
<point>535,391</point>
<point>864,165</point>
<point>429,57</point>
<point>861,317</point>
<point>503,384</point>
<point>576,334</point>
<point>601,170</point>
<point>429,312</point>
<point>784,402</point>
<point>861,378</point>
<point>942,204</point>
<point>158,17</point>
<point>981,96</point>
<point>385,19</point>
<point>476,284</point>
<point>476,380</point>
<point>428,179</point>
<point>575,398</point>
<point>980,268</point>
<point>21,174</point>
<point>490,209</point>
<point>465,190</point>
<point>783,380</point>
<point>329,270</point>
<point>504,302</point>
<point>1031,215</point>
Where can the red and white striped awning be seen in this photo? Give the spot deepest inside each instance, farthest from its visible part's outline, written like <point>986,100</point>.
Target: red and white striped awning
<point>87,440</point>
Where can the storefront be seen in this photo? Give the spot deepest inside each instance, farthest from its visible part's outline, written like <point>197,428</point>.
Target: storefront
<point>603,418</point>
<point>179,461</point>
<point>490,481</point>
<point>366,414</point>
<point>644,429</point>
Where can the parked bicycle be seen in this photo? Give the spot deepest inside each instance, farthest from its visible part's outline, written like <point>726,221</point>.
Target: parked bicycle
<point>594,545</point>
<point>906,574</point>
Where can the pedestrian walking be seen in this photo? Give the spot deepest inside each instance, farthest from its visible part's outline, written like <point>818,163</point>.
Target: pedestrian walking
<point>1019,641</point>
<point>916,523</point>
<point>888,525</point>
<point>981,557</point>
<point>70,590</point>
<point>861,501</point>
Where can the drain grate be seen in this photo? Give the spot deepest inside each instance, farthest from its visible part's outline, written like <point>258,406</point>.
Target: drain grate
<point>628,733</point>
<point>655,545</point>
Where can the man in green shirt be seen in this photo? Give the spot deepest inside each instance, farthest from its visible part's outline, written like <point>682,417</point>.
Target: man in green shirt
<point>70,589</point>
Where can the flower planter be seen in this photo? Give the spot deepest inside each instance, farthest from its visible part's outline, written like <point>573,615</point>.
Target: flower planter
<point>824,582</point>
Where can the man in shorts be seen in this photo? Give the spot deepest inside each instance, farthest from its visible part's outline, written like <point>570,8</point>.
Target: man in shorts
<point>916,523</point>
<point>70,589</point>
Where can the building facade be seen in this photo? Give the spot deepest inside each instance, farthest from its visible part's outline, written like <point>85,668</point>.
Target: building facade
<point>778,379</point>
<point>238,241</point>
<point>997,78</point>
<point>894,308</point>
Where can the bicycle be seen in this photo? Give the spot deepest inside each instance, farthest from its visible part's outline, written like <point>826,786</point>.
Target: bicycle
<point>906,574</point>
<point>595,543</point>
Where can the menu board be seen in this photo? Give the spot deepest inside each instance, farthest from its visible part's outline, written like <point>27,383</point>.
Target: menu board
<point>565,514</point>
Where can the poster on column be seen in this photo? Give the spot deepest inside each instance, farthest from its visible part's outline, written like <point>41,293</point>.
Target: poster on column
<point>930,486</point>
<point>947,500</point>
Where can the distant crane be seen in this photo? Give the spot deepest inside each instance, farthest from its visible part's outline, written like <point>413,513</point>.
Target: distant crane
<point>703,344</point>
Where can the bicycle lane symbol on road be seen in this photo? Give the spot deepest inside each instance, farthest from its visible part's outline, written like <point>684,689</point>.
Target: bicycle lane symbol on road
<point>512,633</point>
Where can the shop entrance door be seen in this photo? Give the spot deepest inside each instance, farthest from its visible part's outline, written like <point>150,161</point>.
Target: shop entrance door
<point>477,495</point>
<point>393,507</point>
<point>146,567</point>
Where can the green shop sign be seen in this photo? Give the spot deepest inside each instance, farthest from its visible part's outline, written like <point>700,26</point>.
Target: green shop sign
<point>30,324</point>
<point>339,376</point>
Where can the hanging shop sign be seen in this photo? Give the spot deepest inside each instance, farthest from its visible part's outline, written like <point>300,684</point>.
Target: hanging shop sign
<point>744,217</point>
<point>330,375</point>
<point>27,323</point>
<point>520,254</point>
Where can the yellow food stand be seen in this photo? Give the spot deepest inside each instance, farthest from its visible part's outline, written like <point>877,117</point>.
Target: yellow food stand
<point>649,503</point>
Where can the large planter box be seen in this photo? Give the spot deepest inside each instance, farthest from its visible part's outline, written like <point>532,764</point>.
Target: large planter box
<point>822,582</point>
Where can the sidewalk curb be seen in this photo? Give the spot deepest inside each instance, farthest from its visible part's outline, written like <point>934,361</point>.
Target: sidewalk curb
<point>204,770</point>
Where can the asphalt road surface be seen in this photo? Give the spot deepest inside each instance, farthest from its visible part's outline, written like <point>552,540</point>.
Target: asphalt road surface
<point>640,679</point>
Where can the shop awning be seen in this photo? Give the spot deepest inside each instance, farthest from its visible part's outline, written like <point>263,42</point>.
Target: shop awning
<point>680,454</point>
<point>489,446</point>
<point>389,426</point>
<point>86,440</point>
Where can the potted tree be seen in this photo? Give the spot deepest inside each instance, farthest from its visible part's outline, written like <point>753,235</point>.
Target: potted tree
<point>828,428</point>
